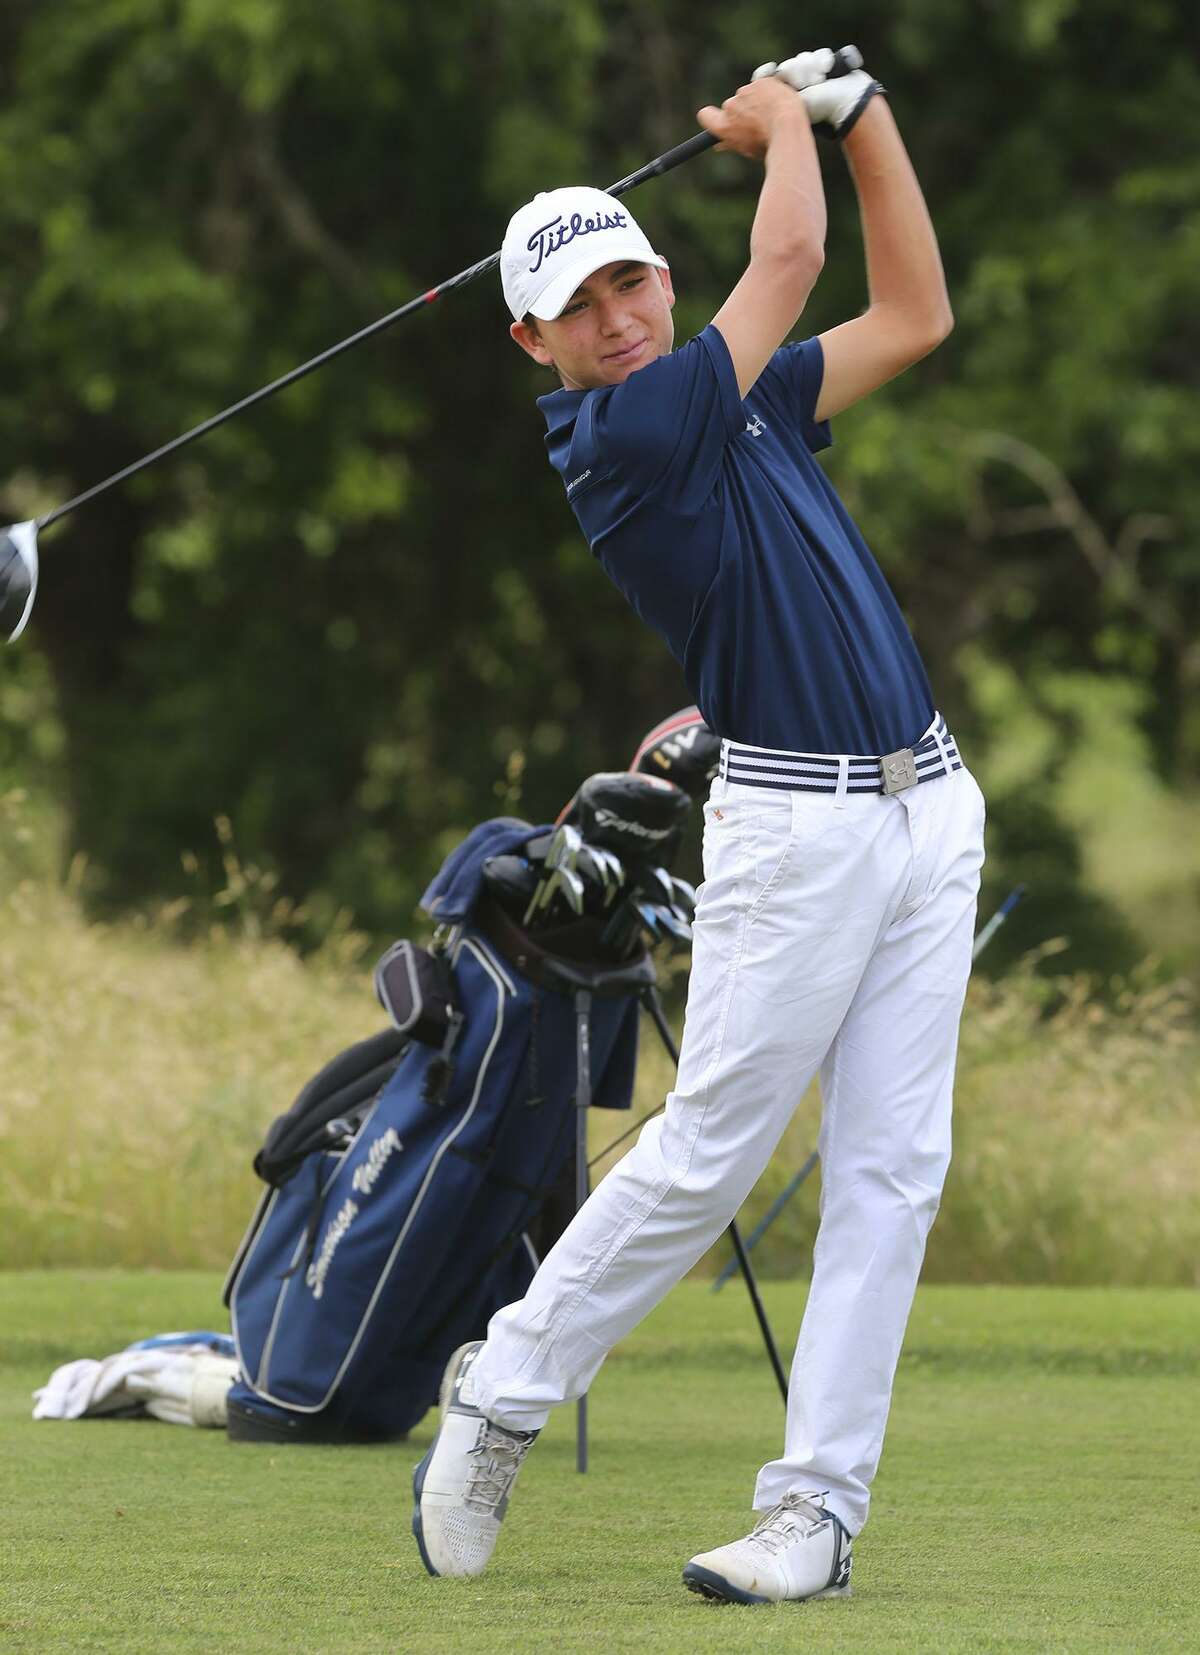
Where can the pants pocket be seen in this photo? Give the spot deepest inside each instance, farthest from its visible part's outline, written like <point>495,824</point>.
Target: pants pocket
<point>770,837</point>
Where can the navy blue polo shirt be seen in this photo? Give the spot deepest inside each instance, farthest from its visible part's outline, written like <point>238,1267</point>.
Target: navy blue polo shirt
<point>713,517</point>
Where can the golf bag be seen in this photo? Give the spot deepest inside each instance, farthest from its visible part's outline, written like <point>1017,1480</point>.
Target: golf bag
<point>417,1178</point>
<point>407,1181</point>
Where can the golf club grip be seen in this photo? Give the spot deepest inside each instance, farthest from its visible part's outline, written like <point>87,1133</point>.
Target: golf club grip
<point>846,59</point>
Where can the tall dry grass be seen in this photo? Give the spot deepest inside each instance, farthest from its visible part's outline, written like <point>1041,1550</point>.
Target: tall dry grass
<point>1077,1142</point>
<point>139,1067</point>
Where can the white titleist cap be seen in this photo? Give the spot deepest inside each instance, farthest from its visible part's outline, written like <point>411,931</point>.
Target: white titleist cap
<point>557,240</point>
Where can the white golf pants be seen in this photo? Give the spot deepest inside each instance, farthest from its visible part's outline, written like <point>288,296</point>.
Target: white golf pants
<point>832,937</point>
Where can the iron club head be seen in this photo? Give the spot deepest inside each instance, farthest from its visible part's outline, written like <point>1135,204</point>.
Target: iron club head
<point>616,866</point>
<point>655,883</point>
<point>649,916</point>
<point>675,926</point>
<point>593,869</point>
<point>615,872</point>
<point>684,900</point>
<point>18,577</point>
<point>565,883</point>
<point>564,848</point>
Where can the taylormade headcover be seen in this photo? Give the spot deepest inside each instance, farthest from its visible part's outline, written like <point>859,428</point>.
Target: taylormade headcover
<point>639,817</point>
<point>682,749</point>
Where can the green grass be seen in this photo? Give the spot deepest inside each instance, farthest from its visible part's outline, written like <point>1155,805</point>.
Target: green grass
<point>1040,1491</point>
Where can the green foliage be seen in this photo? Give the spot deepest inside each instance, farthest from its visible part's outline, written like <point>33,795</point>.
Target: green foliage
<point>358,619</point>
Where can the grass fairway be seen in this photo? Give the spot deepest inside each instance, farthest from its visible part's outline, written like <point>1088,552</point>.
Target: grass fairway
<point>1040,1491</point>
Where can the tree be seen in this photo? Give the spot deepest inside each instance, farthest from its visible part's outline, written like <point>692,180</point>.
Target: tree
<point>361,618</point>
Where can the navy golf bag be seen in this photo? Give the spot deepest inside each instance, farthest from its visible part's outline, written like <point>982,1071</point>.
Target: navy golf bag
<point>408,1180</point>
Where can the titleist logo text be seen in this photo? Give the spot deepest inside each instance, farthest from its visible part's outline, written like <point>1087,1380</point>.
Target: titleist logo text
<point>557,234</point>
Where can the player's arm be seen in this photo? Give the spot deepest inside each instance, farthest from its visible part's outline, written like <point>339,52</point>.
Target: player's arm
<point>767,121</point>
<point>909,311</point>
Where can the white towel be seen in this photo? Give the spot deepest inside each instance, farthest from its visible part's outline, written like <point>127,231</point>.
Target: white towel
<point>181,1378</point>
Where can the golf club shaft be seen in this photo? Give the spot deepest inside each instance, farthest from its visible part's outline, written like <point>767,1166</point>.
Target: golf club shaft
<point>768,1218</point>
<point>653,169</point>
<point>996,921</point>
<point>744,1265</point>
<point>844,60</point>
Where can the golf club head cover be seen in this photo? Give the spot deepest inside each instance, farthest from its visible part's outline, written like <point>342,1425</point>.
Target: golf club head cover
<point>682,749</point>
<point>512,880</point>
<point>637,816</point>
<point>18,577</point>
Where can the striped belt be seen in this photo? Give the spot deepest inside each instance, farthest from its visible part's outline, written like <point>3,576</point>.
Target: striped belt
<point>936,754</point>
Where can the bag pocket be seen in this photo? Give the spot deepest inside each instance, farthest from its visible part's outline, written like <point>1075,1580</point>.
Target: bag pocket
<point>416,989</point>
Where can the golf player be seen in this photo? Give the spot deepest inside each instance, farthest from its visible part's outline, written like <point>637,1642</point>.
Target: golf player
<point>843,836</point>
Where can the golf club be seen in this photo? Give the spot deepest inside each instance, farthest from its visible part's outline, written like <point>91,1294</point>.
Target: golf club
<point>675,927</point>
<point>18,576</point>
<point>19,541</point>
<point>684,899</point>
<point>558,873</point>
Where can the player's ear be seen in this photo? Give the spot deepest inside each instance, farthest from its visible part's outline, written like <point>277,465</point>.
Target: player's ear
<point>531,342</point>
<point>668,288</point>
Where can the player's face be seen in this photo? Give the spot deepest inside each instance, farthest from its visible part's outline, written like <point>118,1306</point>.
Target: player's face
<point>615,323</point>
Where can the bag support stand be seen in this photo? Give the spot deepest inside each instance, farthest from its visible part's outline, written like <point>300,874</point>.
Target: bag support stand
<point>639,979</point>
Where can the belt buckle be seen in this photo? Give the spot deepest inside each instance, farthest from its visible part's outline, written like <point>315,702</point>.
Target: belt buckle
<point>899,770</point>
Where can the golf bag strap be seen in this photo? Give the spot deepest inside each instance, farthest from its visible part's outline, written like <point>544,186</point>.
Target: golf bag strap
<point>319,1113</point>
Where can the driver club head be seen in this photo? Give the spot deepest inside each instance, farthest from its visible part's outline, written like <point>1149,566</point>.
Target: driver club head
<point>18,577</point>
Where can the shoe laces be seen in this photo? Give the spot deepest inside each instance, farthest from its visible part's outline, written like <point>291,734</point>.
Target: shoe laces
<point>795,1516</point>
<point>496,1459</point>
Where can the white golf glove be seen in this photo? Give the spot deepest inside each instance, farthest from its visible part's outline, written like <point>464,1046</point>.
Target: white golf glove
<point>805,69</point>
<point>833,105</point>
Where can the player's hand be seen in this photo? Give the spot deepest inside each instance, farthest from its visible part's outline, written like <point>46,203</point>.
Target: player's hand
<point>833,105</point>
<point>747,121</point>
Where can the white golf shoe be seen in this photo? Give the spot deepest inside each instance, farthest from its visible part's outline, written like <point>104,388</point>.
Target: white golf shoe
<point>797,1550</point>
<point>461,1487</point>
